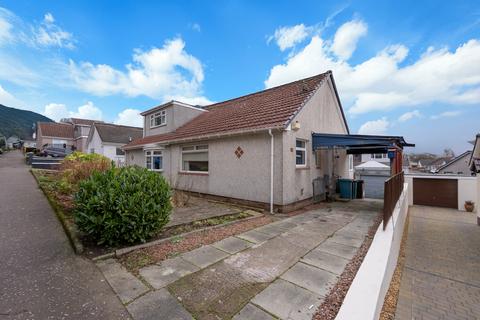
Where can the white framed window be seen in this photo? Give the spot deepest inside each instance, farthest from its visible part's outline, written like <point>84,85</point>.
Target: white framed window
<point>300,153</point>
<point>158,119</point>
<point>195,158</point>
<point>350,162</point>
<point>154,160</point>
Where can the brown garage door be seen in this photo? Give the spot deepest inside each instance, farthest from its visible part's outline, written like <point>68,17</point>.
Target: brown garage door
<point>435,192</point>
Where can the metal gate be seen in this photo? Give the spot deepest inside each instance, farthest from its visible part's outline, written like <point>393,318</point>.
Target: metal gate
<point>319,191</point>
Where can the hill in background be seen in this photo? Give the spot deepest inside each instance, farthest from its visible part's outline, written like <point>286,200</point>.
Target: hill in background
<point>19,122</point>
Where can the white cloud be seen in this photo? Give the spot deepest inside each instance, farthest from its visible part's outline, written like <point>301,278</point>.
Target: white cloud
<point>7,99</point>
<point>288,37</point>
<point>346,38</point>
<point>49,34</point>
<point>130,117</point>
<point>57,111</point>
<point>49,18</point>
<point>196,27</point>
<point>380,83</point>
<point>157,73</point>
<point>379,126</point>
<point>446,114</point>
<point>5,27</point>
<point>410,115</point>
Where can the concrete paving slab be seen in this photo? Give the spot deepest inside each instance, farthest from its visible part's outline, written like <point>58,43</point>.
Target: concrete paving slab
<point>326,261</point>
<point>347,240</point>
<point>272,230</point>
<point>168,271</point>
<point>338,249</point>
<point>252,312</point>
<point>254,236</point>
<point>204,256</point>
<point>288,301</point>
<point>217,292</point>
<point>312,278</point>
<point>267,261</point>
<point>284,224</point>
<point>232,245</point>
<point>158,305</point>
<point>125,284</point>
<point>303,236</point>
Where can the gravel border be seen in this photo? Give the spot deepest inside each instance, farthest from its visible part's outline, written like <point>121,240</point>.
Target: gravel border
<point>333,300</point>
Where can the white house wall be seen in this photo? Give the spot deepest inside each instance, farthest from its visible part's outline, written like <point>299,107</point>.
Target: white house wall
<point>247,177</point>
<point>321,114</point>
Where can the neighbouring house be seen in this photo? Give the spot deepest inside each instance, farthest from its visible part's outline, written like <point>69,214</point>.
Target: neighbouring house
<point>108,139</point>
<point>71,133</point>
<point>377,157</point>
<point>55,134</point>
<point>256,148</point>
<point>80,131</point>
<point>458,165</point>
<point>426,162</point>
<point>474,162</point>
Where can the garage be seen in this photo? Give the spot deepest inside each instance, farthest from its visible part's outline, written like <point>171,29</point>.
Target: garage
<point>373,175</point>
<point>435,192</point>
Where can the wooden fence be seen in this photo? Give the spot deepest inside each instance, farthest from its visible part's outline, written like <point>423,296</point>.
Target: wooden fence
<point>392,192</point>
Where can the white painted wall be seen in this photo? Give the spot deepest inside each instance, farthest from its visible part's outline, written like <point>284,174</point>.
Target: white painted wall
<point>108,150</point>
<point>468,188</point>
<point>364,299</point>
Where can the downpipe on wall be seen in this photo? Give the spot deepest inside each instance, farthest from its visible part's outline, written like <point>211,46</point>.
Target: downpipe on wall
<point>271,170</point>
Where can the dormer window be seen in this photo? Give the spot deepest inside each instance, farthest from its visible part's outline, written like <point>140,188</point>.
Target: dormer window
<point>158,119</point>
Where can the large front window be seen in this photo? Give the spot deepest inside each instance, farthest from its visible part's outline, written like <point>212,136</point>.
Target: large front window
<point>300,153</point>
<point>195,158</point>
<point>154,160</point>
<point>158,119</point>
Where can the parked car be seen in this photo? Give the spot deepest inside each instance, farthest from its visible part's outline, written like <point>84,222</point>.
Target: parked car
<point>55,152</point>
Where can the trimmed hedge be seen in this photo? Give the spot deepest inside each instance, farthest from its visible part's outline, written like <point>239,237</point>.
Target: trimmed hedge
<point>123,205</point>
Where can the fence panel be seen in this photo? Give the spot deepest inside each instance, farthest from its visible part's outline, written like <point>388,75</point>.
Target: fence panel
<point>393,190</point>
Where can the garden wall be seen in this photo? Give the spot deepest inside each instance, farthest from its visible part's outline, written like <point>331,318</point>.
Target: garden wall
<point>364,299</point>
<point>468,188</point>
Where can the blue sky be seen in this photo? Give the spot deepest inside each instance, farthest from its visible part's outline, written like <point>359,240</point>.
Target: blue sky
<point>401,67</point>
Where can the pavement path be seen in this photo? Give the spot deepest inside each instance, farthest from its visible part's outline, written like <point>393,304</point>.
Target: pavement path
<point>441,277</point>
<point>282,270</point>
<point>40,276</point>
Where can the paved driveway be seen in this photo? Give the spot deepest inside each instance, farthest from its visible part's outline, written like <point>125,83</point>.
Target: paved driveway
<point>278,271</point>
<point>441,278</point>
<point>40,276</point>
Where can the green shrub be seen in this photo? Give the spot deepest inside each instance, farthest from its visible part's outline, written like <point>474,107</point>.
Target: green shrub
<point>79,166</point>
<point>123,205</point>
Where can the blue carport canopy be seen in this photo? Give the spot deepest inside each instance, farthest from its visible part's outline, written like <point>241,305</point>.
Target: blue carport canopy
<point>358,143</point>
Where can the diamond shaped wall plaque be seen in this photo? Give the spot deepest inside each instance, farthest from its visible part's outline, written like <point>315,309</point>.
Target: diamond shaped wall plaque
<point>239,152</point>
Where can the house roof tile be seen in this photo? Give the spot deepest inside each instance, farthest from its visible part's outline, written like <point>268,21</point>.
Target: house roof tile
<point>114,133</point>
<point>270,108</point>
<point>60,130</point>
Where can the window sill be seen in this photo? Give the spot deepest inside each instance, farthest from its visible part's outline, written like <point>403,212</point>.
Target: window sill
<point>193,173</point>
<point>302,168</point>
<point>160,125</point>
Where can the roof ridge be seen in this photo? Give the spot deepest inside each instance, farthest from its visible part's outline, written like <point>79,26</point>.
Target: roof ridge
<point>268,89</point>
<point>117,125</point>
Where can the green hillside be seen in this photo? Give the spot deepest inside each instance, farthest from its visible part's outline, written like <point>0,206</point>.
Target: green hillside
<point>18,122</point>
